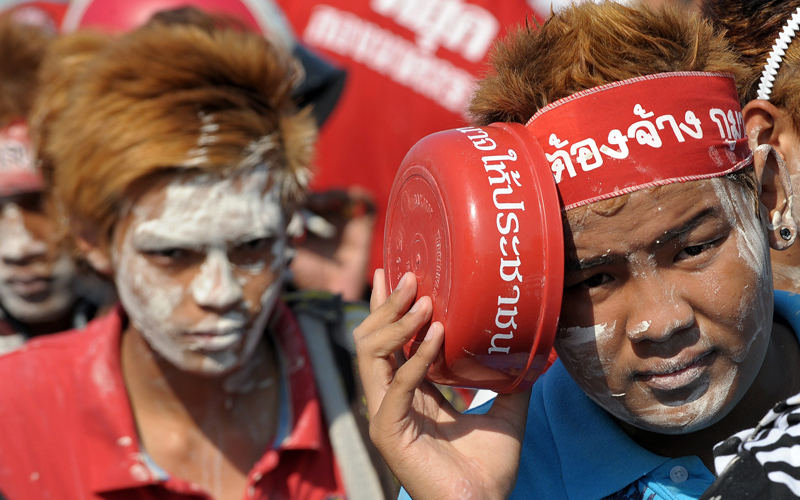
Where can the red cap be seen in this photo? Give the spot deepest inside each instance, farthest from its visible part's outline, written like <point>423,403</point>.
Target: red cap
<point>18,173</point>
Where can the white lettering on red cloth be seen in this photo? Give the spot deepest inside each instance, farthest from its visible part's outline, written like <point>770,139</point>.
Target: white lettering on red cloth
<point>642,132</point>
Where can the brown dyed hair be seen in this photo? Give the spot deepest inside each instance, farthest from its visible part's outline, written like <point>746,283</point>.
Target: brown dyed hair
<point>588,45</point>
<point>22,49</point>
<point>57,73</point>
<point>752,27</point>
<point>168,99</point>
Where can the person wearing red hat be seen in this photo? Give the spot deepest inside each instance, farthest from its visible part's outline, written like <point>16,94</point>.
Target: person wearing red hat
<point>671,337</point>
<point>39,281</point>
<point>177,156</point>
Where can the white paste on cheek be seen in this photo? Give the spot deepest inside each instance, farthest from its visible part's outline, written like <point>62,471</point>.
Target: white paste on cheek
<point>753,248</point>
<point>209,215</point>
<point>17,243</point>
<point>577,335</point>
<point>588,355</point>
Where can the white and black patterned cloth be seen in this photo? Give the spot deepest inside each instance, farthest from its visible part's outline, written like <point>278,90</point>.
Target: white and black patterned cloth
<point>761,463</point>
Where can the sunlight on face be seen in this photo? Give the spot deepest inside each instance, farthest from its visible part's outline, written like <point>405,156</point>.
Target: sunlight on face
<point>667,305</point>
<point>198,263</point>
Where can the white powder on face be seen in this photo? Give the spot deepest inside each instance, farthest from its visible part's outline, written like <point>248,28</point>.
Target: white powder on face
<point>703,406</point>
<point>215,285</point>
<point>700,409</point>
<point>578,335</point>
<point>23,257</point>
<point>17,243</point>
<point>750,237</point>
<point>640,328</point>
<point>211,216</point>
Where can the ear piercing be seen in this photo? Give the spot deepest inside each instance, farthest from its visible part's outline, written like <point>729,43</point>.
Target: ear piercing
<point>786,233</point>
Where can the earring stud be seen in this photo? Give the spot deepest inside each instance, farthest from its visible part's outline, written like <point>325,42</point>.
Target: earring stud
<point>786,233</point>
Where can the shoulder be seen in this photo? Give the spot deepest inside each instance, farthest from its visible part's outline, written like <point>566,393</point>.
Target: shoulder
<point>47,360</point>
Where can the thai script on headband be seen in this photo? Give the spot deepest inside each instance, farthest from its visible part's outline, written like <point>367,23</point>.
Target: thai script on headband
<point>507,195</point>
<point>645,132</point>
<point>15,151</point>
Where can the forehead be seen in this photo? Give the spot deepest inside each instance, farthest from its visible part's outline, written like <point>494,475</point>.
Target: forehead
<point>207,208</point>
<point>645,216</point>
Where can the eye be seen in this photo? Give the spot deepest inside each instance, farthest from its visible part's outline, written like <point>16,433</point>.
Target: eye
<point>694,250</point>
<point>256,245</point>
<point>169,253</point>
<point>596,280</point>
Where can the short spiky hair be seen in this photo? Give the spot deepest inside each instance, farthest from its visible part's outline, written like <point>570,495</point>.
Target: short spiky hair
<point>57,73</point>
<point>588,45</point>
<point>752,27</point>
<point>22,49</point>
<point>175,98</point>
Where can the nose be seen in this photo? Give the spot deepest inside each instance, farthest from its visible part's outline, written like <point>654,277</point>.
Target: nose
<point>658,310</point>
<point>215,286</point>
<point>17,245</point>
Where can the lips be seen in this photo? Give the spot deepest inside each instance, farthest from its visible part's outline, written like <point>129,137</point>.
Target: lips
<point>214,341</point>
<point>31,287</point>
<point>676,373</point>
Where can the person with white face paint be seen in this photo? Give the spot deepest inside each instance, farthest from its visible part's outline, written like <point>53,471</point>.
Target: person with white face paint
<point>670,338</point>
<point>39,281</point>
<point>178,158</point>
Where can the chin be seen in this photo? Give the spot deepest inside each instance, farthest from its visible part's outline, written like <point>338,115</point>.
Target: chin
<point>211,364</point>
<point>680,419</point>
<point>51,309</point>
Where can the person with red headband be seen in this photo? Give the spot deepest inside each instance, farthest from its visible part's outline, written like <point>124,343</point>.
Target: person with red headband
<point>39,281</point>
<point>671,337</point>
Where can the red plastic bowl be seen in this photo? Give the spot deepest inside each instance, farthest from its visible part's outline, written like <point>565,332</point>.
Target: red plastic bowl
<point>474,213</point>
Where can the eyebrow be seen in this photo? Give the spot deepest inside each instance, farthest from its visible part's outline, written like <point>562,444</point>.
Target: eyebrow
<point>573,265</point>
<point>147,238</point>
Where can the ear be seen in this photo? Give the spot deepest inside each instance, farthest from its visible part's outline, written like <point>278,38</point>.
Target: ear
<point>775,197</point>
<point>95,253</point>
<point>767,124</point>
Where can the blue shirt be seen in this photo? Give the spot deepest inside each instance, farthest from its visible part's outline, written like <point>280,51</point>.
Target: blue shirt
<point>574,450</point>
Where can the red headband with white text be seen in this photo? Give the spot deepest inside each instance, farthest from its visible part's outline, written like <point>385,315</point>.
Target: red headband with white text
<point>18,172</point>
<point>647,131</point>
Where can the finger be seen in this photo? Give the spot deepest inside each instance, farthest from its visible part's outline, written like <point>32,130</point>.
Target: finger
<point>383,342</point>
<point>376,363</point>
<point>378,296</point>
<point>399,397</point>
<point>384,311</point>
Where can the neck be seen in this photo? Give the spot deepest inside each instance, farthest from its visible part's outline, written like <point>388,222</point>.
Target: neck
<point>156,384</point>
<point>56,325</point>
<point>786,269</point>
<point>773,383</point>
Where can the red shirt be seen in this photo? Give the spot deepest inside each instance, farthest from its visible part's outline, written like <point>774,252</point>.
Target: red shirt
<point>67,429</point>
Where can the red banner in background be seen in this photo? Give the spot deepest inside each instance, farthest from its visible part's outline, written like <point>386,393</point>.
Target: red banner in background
<point>411,67</point>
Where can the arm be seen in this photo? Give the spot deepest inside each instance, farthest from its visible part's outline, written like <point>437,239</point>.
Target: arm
<point>435,451</point>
